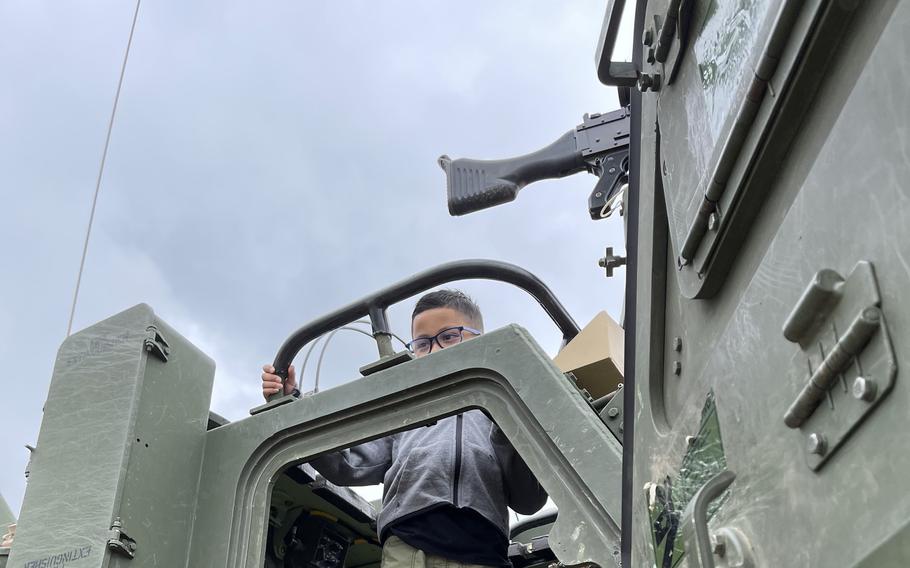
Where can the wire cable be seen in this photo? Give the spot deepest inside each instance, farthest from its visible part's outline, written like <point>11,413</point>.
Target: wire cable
<point>402,341</point>
<point>325,346</point>
<point>309,352</point>
<point>107,142</point>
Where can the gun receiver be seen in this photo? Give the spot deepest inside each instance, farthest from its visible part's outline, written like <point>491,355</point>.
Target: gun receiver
<point>599,145</point>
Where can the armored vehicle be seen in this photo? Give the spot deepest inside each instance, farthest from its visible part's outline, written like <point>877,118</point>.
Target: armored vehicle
<point>760,162</point>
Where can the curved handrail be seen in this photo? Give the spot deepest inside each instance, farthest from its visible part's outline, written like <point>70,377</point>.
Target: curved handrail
<point>374,305</point>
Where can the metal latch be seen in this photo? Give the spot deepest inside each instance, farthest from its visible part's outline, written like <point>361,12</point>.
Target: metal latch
<point>611,261</point>
<point>119,541</point>
<point>840,326</point>
<point>156,344</point>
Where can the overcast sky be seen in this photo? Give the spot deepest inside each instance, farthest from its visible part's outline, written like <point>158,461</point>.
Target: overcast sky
<point>271,161</point>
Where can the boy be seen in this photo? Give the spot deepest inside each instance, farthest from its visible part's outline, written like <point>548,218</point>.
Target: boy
<point>446,487</point>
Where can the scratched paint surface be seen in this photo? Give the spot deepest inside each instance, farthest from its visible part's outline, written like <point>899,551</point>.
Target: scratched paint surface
<point>703,460</point>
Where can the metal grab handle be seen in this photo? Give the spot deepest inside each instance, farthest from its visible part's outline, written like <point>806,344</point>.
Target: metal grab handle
<point>847,347</point>
<point>375,304</point>
<point>613,73</point>
<point>695,518</point>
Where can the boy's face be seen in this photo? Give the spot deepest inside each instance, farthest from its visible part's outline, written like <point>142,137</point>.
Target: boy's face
<point>431,322</point>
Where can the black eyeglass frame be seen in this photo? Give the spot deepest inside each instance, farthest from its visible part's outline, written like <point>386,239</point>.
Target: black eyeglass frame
<point>461,329</point>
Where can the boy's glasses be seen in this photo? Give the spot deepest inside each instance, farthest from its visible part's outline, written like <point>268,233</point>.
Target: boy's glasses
<point>445,338</point>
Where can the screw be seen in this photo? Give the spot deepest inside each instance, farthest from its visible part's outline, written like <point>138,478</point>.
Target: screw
<point>647,82</point>
<point>612,170</point>
<point>613,412</point>
<point>718,545</point>
<point>864,389</point>
<point>817,445</point>
<point>712,221</point>
<point>647,37</point>
<point>599,194</point>
<point>677,344</point>
<point>677,368</point>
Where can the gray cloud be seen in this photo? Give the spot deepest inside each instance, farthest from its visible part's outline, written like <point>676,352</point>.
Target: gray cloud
<point>270,163</point>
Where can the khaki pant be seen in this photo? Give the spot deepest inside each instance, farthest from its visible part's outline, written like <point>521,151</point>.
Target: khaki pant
<point>396,553</point>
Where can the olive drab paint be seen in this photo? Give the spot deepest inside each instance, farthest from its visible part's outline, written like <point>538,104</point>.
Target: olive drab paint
<point>767,151</point>
<point>773,264</point>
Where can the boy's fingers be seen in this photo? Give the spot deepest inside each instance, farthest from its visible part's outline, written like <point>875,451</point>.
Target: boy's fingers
<point>268,369</point>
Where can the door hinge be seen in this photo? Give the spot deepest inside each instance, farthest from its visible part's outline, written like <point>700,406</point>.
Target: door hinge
<point>839,324</point>
<point>119,542</point>
<point>156,344</point>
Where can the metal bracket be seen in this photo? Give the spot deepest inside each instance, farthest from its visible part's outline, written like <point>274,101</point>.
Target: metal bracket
<point>610,262</point>
<point>119,541</point>
<point>156,344</point>
<point>386,362</point>
<point>612,414</point>
<point>840,326</point>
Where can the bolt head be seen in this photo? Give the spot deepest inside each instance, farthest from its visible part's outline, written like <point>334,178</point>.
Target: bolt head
<point>644,82</point>
<point>677,344</point>
<point>690,440</point>
<point>718,545</point>
<point>712,221</point>
<point>651,58</point>
<point>647,37</point>
<point>817,444</point>
<point>648,82</point>
<point>677,368</point>
<point>864,388</point>
<point>613,412</point>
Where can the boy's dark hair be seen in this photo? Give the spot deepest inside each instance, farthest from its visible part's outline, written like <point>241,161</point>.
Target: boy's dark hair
<point>452,299</point>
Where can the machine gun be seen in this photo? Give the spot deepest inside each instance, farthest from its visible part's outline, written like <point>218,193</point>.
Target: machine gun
<point>599,145</point>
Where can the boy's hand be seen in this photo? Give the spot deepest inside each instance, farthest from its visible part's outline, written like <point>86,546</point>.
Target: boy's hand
<point>271,383</point>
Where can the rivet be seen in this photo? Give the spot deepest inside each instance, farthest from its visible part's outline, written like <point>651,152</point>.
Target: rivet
<point>864,389</point>
<point>817,444</point>
<point>712,221</point>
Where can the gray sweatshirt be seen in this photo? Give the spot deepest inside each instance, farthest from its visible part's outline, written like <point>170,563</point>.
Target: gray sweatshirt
<point>462,460</point>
